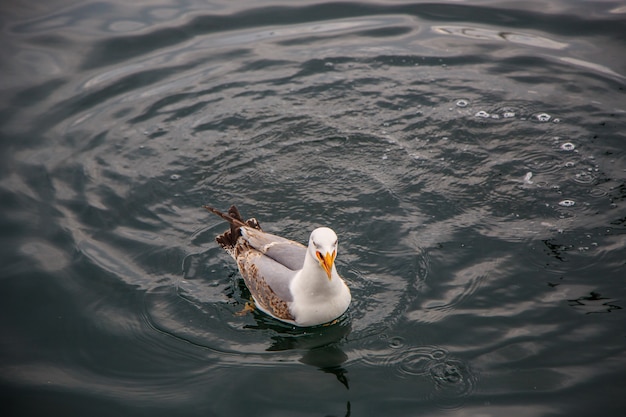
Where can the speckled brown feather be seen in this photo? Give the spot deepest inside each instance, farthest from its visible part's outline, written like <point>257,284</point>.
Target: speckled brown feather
<point>263,295</point>
<point>245,256</point>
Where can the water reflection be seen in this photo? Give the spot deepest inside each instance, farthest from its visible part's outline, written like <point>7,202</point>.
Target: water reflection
<point>320,346</point>
<point>595,303</point>
<point>491,34</point>
<point>328,359</point>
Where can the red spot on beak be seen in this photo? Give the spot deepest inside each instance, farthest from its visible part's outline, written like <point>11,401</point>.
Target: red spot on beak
<point>326,261</point>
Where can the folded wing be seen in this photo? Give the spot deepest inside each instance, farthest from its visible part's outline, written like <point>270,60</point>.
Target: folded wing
<point>284,251</point>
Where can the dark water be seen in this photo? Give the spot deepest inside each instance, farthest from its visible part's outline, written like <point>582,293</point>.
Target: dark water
<point>470,155</point>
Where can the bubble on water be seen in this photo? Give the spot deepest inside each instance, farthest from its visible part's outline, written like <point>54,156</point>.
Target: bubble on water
<point>495,116</point>
<point>527,178</point>
<point>454,381</point>
<point>462,103</point>
<point>508,114</point>
<point>556,120</point>
<point>569,164</point>
<point>543,117</point>
<point>396,342</point>
<point>174,177</point>
<point>566,203</point>
<point>384,156</point>
<point>329,64</point>
<point>482,114</point>
<point>568,146</point>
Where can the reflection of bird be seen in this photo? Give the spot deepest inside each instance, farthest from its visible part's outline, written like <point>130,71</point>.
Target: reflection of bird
<point>288,281</point>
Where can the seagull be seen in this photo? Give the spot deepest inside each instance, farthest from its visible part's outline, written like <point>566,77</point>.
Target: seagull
<point>291,282</point>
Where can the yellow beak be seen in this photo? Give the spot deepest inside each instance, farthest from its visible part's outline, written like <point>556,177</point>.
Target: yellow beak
<point>326,261</point>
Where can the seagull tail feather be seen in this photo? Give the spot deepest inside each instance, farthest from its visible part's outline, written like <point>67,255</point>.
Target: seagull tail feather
<point>229,238</point>
<point>233,217</point>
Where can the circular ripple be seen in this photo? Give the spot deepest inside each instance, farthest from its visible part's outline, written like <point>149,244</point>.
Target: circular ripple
<point>438,354</point>
<point>450,376</point>
<point>584,177</point>
<point>542,162</point>
<point>417,361</point>
<point>454,381</point>
<point>598,192</point>
<point>451,380</point>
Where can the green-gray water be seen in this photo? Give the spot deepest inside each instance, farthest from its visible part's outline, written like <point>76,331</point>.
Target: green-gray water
<point>471,156</point>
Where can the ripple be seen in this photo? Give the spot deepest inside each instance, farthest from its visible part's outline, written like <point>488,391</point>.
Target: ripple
<point>454,382</point>
<point>226,326</point>
<point>266,107</point>
<point>450,380</point>
<point>585,177</point>
<point>49,256</point>
<point>462,286</point>
<point>447,380</point>
<point>418,361</point>
<point>482,34</point>
<point>598,192</point>
<point>542,162</point>
<point>396,342</point>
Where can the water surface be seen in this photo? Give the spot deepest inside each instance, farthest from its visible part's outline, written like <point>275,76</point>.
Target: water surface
<point>470,156</point>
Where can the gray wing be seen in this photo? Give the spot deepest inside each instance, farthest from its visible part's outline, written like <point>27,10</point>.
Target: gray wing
<point>286,252</point>
<point>277,276</point>
<point>267,280</point>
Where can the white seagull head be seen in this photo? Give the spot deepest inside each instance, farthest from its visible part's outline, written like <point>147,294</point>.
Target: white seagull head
<point>323,247</point>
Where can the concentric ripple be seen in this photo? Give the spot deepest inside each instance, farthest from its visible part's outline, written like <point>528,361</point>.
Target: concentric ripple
<point>450,380</point>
